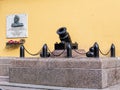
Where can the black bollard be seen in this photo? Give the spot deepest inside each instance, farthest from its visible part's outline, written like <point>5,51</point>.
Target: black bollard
<point>96,50</point>
<point>112,50</point>
<point>44,49</point>
<point>22,54</point>
<point>44,52</point>
<point>69,50</point>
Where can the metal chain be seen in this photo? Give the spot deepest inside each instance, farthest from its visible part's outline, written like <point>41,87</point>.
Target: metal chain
<point>31,53</point>
<point>79,52</point>
<point>104,53</point>
<point>57,54</point>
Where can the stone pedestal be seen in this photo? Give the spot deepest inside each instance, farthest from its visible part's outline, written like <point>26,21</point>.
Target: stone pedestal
<point>67,72</point>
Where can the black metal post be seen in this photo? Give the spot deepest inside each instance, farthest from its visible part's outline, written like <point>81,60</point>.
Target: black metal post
<point>112,50</point>
<point>96,50</point>
<point>69,50</point>
<point>44,50</point>
<point>22,51</point>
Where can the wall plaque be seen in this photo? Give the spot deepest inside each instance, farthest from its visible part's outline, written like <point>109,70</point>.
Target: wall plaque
<point>17,26</point>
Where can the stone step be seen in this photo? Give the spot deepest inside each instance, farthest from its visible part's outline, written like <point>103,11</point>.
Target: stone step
<point>4,78</point>
<point>16,86</point>
<point>4,69</point>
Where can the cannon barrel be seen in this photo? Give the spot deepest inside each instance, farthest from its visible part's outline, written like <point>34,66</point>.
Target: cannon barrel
<point>65,39</point>
<point>64,35</point>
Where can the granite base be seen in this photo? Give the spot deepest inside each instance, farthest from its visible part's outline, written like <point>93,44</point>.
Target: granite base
<point>67,72</point>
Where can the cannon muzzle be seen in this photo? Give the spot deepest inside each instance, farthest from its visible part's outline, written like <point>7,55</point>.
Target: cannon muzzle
<point>64,35</point>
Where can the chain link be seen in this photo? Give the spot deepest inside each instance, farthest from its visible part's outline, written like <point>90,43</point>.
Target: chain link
<point>31,53</point>
<point>57,54</point>
<point>41,50</point>
<point>79,52</point>
<point>104,53</point>
<point>62,52</point>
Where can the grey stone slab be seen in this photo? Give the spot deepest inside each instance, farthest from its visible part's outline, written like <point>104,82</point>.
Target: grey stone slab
<point>104,78</point>
<point>73,77</point>
<point>4,69</point>
<point>93,63</point>
<point>84,78</point>
<point>24,63</point>
<point>59,63</point>
<point>73,63</point>
<point>85,64</point>
<point>23,75</point>
<point>67,77</point>
<point>68,72</point>
<point>117,74</point>
<point>54,77</point>
<point>111,76</point>
<point>118,61</point>
<point>109,62</point>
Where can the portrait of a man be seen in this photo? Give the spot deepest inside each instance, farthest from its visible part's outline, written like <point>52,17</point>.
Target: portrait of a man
<point>16,22</point>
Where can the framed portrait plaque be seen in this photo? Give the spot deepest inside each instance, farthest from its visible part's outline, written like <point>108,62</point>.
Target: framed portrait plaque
<point>17,26</point>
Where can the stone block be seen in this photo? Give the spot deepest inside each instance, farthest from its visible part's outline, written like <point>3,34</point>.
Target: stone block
<point>4,69</point>
<point>117,74</point>
<point>23,75</point>
<point>5,64</point>
<point>59,63</point>
<point>83,78</point>
<point>54,77</point>
<point>109,62</point>
<point>67,72</point>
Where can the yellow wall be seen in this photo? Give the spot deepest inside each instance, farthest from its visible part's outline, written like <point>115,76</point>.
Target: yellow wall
<point>87,21</point>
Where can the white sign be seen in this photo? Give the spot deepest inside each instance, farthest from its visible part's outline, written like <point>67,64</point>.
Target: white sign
<point>17,26</point>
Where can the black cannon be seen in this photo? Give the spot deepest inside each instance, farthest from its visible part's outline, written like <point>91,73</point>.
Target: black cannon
<point>65,38</point>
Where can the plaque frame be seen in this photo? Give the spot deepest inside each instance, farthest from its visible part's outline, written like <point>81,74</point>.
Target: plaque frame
<point>17,26</point>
